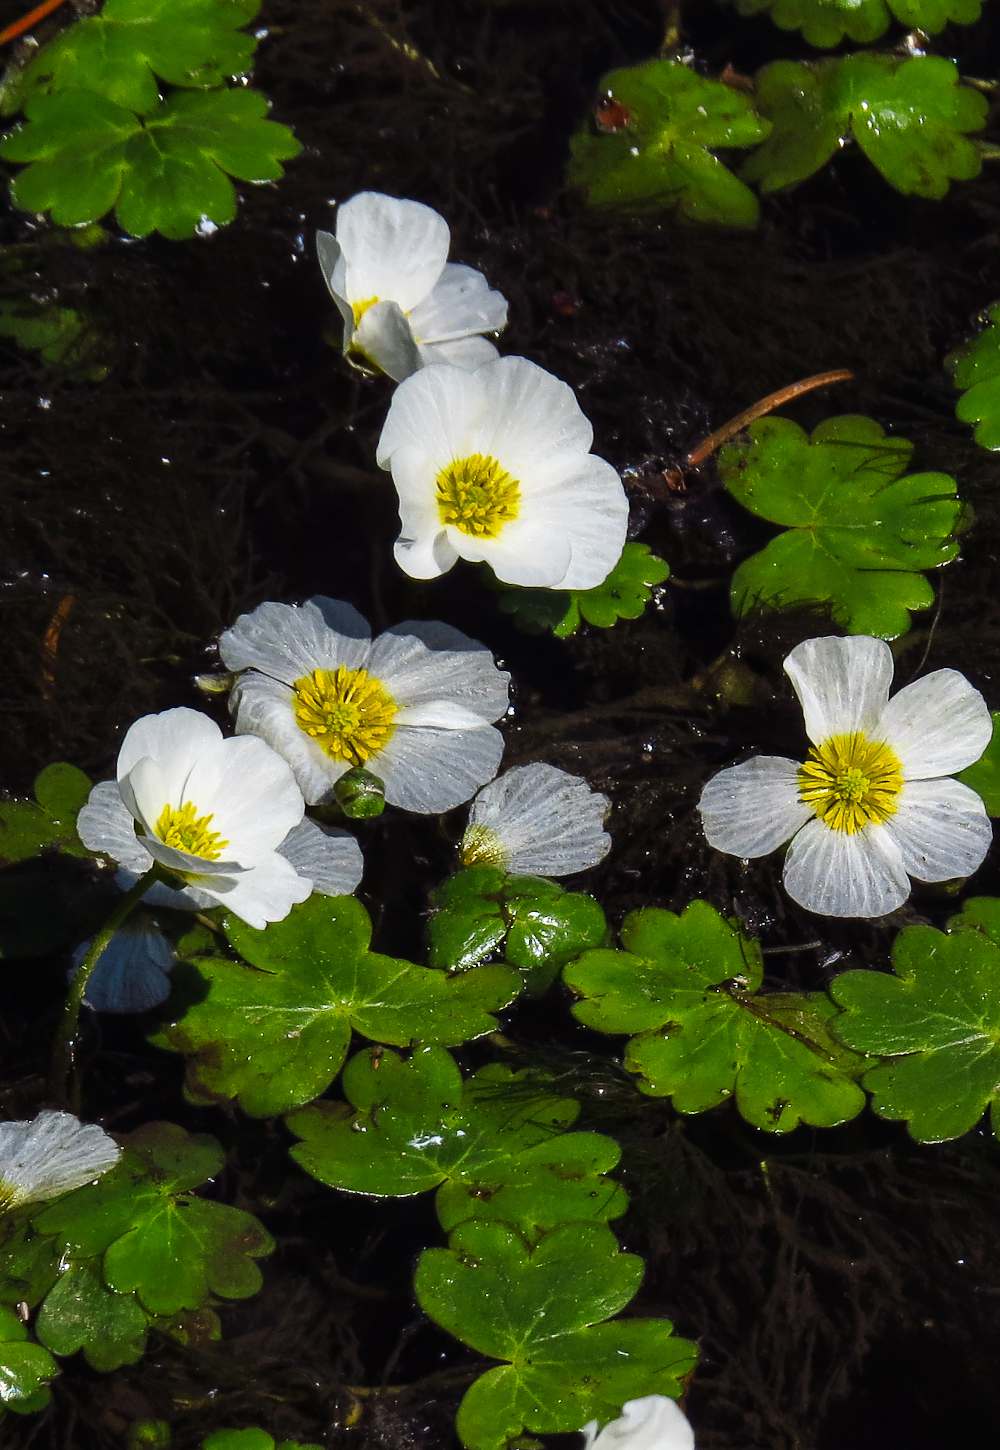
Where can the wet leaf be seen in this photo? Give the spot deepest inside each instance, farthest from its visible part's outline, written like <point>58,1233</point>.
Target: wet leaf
<point>252,1439</point>
<point>859,529</point>
<point>660,126</point>
<point>984,776</point>
<point>975,369</point>
<point>497,1146</point>
<point>827,22</point>
<point>688,987</point>
<point>910,117</point>
<point>25,1367</point>
<point>120,52</point>
<point>481,914</point>
<point>624,594</point>
<point>936,1019</point>
<point>165,172</point>
<point>540,1311</point>
<point>82,1313</point>
<point>28,827</point>
<point>276,1037</point>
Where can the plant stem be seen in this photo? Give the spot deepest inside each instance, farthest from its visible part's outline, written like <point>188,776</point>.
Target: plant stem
<point>715,440</point>
<point>65,1041</point>
<point>27,21</point>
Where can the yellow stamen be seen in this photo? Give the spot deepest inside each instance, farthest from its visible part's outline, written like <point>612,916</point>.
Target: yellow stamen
<point>851,782</point>
<point>182,828</point>
<point>360,308</point>
<point>348,713</point>
<point>481,847</point>
<point>477,495</point>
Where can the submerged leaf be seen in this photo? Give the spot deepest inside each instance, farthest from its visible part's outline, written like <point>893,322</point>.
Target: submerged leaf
<point>975,369</point>
<point>858,531</point>
<point>687,986</point>
<point>624,594</point>
<point>659,148</point>
<point>539,1310</point>
<point>827,22</point>
<point>28,827</point>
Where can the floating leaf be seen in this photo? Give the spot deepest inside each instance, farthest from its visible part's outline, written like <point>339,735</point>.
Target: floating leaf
<point>481,914</point>
<point>276,1037</point>
<point>81,1312</point>
<point>975,369</point>
<point>910,117</point>
<point>660,125</point>
<point>28,827</point>
<point>984,776</point>
<point>166,172</point>
<point>826,22</point>
<point>858,531</point>
<point>937,1021</point>
<point>252,1439</point>
<point>540,1310</point>
<point>25,1367</point>
<point>688,987</point>
<point>624,594</point>
<point>120,52</point>
<point>497,1146</point>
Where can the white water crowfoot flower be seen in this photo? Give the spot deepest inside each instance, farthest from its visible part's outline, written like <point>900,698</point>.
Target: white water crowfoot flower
<point>404,305</point>
<point>495,467</point>
<point>133,971</point>
<point>873,803</point>
<point>652,1423</point>
<point>415,705</point>
<point>537,820</point>
<point>51,1155</point>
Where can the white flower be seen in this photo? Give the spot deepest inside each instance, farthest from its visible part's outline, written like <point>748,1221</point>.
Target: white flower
<point>495,467</point>
<point>873,803</point>
<point>133,971</point>
<point>224,816</point>
<point>414,706</point>
<point>537,820</point>
<point>403,303</point>
<point>51,1155</point>
<point>652,1423</point>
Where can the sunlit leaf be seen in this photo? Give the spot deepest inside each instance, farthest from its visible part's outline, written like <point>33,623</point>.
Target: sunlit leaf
<point>975,369</point>
<point>25,1367</point>
<point>827,22</point>
<point>688,987</point>
<point>82,1313</point>
<point>252,1439</point>
<point>859,528</point>
<point>28,827</point>
<point>624,594</point>
<point>659,127</point>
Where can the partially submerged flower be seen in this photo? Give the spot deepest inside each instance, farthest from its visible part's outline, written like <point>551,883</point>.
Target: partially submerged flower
<point>652,1423</point>
<point>495,467</point>
<point>224,817</point>
<point>404,305</point>
<point>415,705</point>
<point>537,820</point>
<point>133,971</point>
<point>873,803</point>
<point>51,1155</point>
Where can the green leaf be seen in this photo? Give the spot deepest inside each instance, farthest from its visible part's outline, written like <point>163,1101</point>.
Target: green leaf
<point>623,595</point>
<point>277,1036</point>
<point>25,1368</point>
<point>481,913</point>
<point>858,531</point>
<point>166,172</point>
<point>252,1439</point>
<point>28,827</point>
<point>497,1146</point>
<point>156,1239</point>
<point>910,117</point>
<point>975,369</point>
<point>119,53</point>
<point>540,1310</point>
<point>663,124</point>
<point>58,334</point>
<point>826,22</point>
<point>984,776</point>
<point>82,1313</point>
<point>688,987</point>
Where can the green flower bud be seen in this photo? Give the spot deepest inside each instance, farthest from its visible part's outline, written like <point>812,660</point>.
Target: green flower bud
<point>360,794</point>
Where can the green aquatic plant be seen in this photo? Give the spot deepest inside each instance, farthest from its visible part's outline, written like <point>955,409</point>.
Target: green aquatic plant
<point>826,23</point>
<point>658,128</point>
<point>60,335</point>
<point>624,594</point>
<point>26,1368</point>
<point>252,1439</point>
<point>859,529</point>
<point>975,370</point>
<point>49,821</point>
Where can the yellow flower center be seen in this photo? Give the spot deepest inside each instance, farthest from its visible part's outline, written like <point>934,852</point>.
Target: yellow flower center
<point>182,828</point>
<point>360,308</point>
<point>477,495</point>
<point>481,847</point>
<point>348,713</point>
<point>851,782</point>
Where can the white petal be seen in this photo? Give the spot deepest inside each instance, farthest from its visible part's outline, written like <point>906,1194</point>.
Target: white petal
<point>528,551</point>
<point>533,423</point>
<point>266,893</point>
<point>334,269</point>
<point>383,337</point>
<point>937,725</point>
<point>251,795</point>
<point>287,641</point>
<point>392,248</point>
<point>425,661</point>
<point>842,684</point>
<point>329,858</point>
<point>589,508</point>
<point>435,770</point>
<point>653,1423</point>
<point>460,304</point>
<point>441,714</point>
<point>424,556</point>
<point>537,820</point>
<point>750,809</point>
<point>941,828</point>
<point>175,738</point>
<point>51,1155</point>
<point>464,352</point>
<point>106,824</point>
<point>133,972</point>
<point>438,412</point>
<point>189,898</point>
<point>837,874</point>
<point>264,708</point>
<point>183,863</point>
<point>422,549</point>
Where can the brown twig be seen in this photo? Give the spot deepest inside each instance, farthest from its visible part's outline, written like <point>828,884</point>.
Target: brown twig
<point>788,394</point>
<point>27,21</point>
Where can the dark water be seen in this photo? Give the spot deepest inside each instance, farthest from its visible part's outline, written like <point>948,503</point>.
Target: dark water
<point>844,1286</point>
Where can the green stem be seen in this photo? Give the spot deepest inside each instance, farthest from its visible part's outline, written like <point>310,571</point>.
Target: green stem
<point>65,1041</point>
